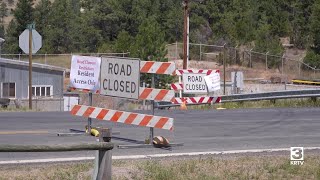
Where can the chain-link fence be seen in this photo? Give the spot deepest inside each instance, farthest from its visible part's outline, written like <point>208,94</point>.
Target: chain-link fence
<point>61,60</point>
<point>280,65</point>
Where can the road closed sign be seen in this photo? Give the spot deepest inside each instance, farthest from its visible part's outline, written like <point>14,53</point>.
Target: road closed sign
<point>120,77</point>
<point>194,83</point>
<point>84,73</point>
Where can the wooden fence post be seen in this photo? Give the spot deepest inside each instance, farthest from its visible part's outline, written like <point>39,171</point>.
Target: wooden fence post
<point>103,160</point>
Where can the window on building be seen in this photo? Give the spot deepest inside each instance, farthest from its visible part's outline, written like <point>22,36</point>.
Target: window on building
<point>41,91</point>
<point>9,90</point>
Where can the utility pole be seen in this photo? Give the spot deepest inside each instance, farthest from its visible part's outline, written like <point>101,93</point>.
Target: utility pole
<point>30,27</point>
<point>185,34</point>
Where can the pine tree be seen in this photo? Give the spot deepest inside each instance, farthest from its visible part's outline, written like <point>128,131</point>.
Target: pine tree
<point>11,45</point>
<point>62,28</point>
<point>23,15</point>
<point>3,11</point>
<point>150,45</point>
<point>313,55</point>
<point>315,27</point>
<point>2,31</point>
<point>42,13</point>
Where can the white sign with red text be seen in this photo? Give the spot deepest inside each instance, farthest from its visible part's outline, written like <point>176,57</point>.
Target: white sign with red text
<point>85,71</point>
<point>213,82</point>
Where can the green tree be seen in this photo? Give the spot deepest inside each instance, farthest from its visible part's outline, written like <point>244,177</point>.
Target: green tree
<point>123,42</point>
<point>2,31</point>
<point>300,16</point>
<point>313,56</point>
<point>62,32</point>
<point>315,27</point>
<point>3,11</point>
<point>150,45</point>
<point>23,15</point>
<point>42,13</point>
<point>149,39</point>
<point>11,44</point>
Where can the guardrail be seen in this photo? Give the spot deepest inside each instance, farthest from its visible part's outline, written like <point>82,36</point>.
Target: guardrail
<point>271,95</point>
<point>314,93</point>
<point>103,160</point>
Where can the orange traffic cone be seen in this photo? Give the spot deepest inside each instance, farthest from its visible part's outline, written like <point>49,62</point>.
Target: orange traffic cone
<point>183,105</point>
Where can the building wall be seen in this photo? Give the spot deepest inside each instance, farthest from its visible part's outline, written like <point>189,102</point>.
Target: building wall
<point>40,76</point>
<point>53,104</point>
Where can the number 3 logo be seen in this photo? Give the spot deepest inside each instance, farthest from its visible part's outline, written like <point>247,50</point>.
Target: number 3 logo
<point>297,153</point>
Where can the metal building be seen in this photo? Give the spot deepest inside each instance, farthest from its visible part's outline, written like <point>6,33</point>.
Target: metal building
<point>47,83</point>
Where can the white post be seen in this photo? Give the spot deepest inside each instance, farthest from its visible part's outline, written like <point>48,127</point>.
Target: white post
<point>180,91</point>
<point>267,60</point>
<point>200,51</point>
<point>177,55</point>
<point>45,58</point>
<point>144,101</point>
<point>282,63</point>
<point>251,58</point>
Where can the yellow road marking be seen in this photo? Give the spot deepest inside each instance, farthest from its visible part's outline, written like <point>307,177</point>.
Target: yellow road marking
<point>22,132</point>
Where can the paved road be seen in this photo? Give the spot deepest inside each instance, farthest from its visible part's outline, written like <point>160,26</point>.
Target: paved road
<point>215,130</point>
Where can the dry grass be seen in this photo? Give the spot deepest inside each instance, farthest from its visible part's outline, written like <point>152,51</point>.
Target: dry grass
<point>13,109</point>
<point>79,171</point>
<point>294,103</point>
<point>234,168</point>
<point>281,103</point>
<point>218,167</point>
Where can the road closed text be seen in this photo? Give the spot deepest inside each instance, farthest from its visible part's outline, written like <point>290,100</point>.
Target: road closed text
<point>196,87</point>
<point>118,84</point>
<point>194,83</point>
<point>120,77</point>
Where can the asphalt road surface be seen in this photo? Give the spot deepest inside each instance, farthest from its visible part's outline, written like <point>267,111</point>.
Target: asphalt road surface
<point>199,130</point>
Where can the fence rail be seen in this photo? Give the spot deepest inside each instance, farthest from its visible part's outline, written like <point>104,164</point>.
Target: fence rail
<point>56,147</point>
<point>103,160</point>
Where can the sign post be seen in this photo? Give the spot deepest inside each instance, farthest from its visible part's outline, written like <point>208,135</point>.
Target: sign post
<point>30,41</point>
<point>151,128</point>
<point>30,65</point>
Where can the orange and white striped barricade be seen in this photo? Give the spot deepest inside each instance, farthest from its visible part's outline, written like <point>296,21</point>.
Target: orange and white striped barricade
<point>153,94</point>
<point>193,100</point>
<point>120,78</point>
<point>179,72</point>
<point>177,86</point>
<point>197,100</point>
<point>156,94</point>
<point>157,67</point>
<point>144,120</point>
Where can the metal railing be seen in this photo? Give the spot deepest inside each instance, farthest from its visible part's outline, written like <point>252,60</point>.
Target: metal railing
<point>258,97</point>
